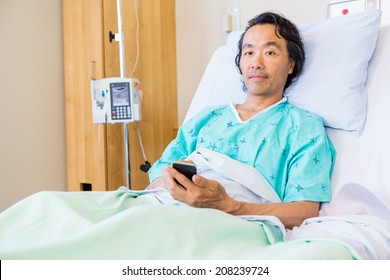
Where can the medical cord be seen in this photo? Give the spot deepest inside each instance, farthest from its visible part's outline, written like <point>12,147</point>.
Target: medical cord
<point>98,152</point>
<point>144,167</point>
<point>136,36</point>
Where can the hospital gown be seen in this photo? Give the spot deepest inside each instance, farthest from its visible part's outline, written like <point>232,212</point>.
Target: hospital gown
<point>287,145</point>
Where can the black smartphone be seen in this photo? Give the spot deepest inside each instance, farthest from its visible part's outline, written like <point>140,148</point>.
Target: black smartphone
<point>186,168</point>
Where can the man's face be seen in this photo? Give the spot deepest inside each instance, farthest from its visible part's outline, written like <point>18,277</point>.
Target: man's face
<point>265,62</point>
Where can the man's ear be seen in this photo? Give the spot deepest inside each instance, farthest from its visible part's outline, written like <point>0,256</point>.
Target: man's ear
<point>291,67</point>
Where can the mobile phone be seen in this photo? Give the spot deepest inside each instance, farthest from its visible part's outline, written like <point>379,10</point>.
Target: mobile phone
<point>186,168</point>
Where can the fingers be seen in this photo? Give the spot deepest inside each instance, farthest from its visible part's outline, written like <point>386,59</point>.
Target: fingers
<point>200,192</point>
<point>178,177</point>
<point>201,181</point>
<point>180,187</point>
<point>175,181</point>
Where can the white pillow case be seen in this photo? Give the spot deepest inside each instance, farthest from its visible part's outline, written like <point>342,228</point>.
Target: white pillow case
<point>332,83</point>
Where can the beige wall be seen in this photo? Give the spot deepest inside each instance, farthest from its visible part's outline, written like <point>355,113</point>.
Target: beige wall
<point>32,110</point>
<point>199,32</point>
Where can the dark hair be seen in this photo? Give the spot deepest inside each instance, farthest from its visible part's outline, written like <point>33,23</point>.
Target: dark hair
<point>289,32</point>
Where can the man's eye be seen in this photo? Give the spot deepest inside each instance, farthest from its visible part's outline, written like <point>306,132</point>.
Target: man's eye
<point>269,53</point>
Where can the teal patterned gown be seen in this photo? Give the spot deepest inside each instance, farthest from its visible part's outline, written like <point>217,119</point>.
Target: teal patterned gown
<point>287,145</point>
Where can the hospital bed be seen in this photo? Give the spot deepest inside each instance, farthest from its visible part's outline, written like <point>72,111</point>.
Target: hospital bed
<point>345,81</point>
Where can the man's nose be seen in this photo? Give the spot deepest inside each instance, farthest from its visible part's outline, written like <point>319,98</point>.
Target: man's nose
<point>257,62</point>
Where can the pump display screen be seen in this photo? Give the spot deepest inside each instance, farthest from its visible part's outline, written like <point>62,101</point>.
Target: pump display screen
<point>120,94</point>
<point>120,101</point>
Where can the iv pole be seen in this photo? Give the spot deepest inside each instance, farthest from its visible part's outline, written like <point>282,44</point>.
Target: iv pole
<point>119,37</point>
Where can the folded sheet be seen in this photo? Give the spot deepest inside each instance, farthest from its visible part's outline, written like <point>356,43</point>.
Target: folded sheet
<point>241,181</point>
<point>355,216</point>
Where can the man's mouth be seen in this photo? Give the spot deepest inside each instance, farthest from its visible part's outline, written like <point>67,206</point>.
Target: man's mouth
<point>257,77</point>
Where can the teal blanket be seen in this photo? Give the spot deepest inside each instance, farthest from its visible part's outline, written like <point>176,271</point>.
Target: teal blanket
<point>126,225</point>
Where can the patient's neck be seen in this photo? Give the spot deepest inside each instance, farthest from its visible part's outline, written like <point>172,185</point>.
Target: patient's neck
<point>255,104</point>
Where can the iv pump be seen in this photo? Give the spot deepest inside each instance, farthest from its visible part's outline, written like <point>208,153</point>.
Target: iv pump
<point>116,100</point>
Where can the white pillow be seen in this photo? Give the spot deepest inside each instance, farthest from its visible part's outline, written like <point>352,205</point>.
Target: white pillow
<point>332,83</point>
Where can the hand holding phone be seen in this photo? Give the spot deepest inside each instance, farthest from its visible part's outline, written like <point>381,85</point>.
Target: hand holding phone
<point>186,168</point>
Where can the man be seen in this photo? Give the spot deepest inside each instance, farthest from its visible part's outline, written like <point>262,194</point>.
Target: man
<point>287,145</point>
